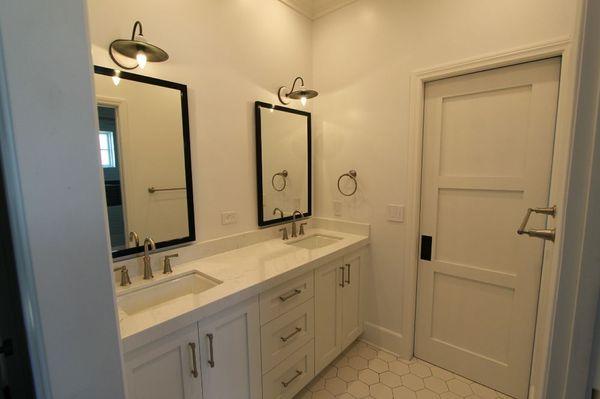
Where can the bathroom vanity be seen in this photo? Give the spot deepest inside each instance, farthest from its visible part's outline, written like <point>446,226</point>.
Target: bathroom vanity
<point>248,321</point>
<point>256,322</point>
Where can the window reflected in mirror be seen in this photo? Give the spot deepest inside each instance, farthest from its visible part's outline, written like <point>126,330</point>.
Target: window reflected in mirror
<point>145,157</point>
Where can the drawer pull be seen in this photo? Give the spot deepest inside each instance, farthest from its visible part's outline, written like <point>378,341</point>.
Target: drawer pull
<point>348,266</point>
<point>211,360</point>
<point>343,283</point>
<point>192,346</point>
<point>285,339</point>
<point>290,295</point>
<point>288,382</point>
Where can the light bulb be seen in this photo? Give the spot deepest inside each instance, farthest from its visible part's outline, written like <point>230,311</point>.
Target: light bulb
<point>141,59</point>
<point>303,101</point>
<point>116,78</point>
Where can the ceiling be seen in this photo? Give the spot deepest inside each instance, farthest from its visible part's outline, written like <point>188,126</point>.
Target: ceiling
<point>314,9</point>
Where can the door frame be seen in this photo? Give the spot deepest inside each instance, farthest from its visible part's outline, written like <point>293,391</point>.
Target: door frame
<point>568,49</point>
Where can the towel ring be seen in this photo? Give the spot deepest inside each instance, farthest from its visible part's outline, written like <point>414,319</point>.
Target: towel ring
<point>352,175</point>
<point>284,175</point>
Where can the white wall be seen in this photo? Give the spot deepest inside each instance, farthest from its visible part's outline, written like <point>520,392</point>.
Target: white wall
<point>50,154</point>
<point>229,53</point>
<point>363,56</point>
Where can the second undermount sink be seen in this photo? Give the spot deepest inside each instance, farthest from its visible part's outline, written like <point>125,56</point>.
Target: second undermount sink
<point>178,291</point>
<point>315,241</point>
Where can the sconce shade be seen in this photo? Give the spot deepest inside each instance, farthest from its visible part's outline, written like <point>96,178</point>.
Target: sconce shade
<point>298,94</point>
<point>130,48</point>
<point>135,46</point>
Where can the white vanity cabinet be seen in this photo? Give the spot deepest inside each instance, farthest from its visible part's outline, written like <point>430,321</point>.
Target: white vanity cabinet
<point>185,365</point>
<point>338,320</point>
<point>230,353</point>
<point>165,368</point>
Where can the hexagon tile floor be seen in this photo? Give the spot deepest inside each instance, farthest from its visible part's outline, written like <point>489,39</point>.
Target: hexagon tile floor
<point>363,371</point>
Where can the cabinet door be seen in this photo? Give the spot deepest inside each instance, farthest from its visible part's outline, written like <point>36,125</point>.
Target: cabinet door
<point>351,314</point>
<point>165,368</point>
<point>328,316</point>
<point>230,353</point>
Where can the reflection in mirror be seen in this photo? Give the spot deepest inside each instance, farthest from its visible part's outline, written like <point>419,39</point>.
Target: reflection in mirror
<point>283,137</point>
<point>144,152</point>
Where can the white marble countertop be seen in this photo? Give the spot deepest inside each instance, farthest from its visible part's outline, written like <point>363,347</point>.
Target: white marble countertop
<point>244,273</point>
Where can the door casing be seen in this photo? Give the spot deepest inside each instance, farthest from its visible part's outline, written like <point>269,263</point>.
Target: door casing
<point>568,50</point>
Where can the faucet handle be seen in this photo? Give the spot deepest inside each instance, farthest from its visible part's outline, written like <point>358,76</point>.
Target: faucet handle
<point>285,233</point>
<point>125,280</point>
<point>168,268</point>
<point>302,228</point>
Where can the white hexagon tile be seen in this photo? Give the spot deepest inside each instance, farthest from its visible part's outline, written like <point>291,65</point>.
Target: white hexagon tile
<point>363,371</point>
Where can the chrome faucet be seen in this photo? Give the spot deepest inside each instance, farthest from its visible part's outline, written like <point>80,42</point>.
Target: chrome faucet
<point>133,237</point>
<point>294,228</point>
<point>148,245</point>
<point>280,213</point>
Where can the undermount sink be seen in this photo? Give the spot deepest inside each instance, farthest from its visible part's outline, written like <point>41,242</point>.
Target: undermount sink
<point>315,241</point>
<point>172,292</point>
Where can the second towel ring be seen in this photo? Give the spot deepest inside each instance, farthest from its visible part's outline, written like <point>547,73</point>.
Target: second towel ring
<point>352,175</point>
<point>284,175</point>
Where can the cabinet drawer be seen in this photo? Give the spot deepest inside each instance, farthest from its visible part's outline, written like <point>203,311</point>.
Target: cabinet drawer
<point>286,296</point>
<point>286,334</point>
<point>290,376</point>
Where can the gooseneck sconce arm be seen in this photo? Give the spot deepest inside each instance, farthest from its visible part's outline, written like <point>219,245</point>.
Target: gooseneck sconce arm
<point>302,93</point>
<point>137,48</point>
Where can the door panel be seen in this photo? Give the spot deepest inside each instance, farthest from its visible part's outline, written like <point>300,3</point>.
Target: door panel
<point>328,318</point>
<point>351,320</point>
<point>163,369</point>
<point>487,153</point>
<point>236,370</point>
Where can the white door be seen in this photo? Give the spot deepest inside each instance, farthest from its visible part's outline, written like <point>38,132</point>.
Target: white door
<point>351,320</point>
<point>328,317</point>
<point>230,353</point>
<point>167,368</point>
<point>487,154</point>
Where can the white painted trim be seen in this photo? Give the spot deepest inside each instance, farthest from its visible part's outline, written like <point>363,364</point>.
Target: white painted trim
<point>383,337</point>
<point>562,47</point>
<point>313,12</point>
<point>20,241</point>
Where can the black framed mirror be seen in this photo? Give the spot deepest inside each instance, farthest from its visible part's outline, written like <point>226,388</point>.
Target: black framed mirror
<point>145,155</point>
<point>283,163</point>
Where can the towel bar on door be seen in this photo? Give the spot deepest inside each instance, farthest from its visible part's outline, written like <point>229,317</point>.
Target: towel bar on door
<point>153,189</point>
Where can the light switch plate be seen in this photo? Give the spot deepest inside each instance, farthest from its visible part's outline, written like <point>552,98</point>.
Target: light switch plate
<point>395,213</point>
<point>229,217</point>
<point>337,208</point>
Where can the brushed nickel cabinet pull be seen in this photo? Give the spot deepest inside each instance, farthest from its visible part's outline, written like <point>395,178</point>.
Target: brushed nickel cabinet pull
<point>343,284</point>
<point>211,359</point>
<point>192,346</point>
<point>285,339</point>
<point>348,266</point>
<point>288,382</point>
<point>290,295</point>
<point>546,234</point>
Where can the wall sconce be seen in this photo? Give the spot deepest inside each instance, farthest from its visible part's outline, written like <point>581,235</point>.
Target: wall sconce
<point>137,48</point>
<point>302,93</point>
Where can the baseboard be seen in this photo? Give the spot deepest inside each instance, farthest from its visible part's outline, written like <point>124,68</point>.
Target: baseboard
<point>385,339</point>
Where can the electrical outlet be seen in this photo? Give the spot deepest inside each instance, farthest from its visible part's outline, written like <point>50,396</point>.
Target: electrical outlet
<point>229,217</point>
<point>395,213</point>
<point>337,208</point>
